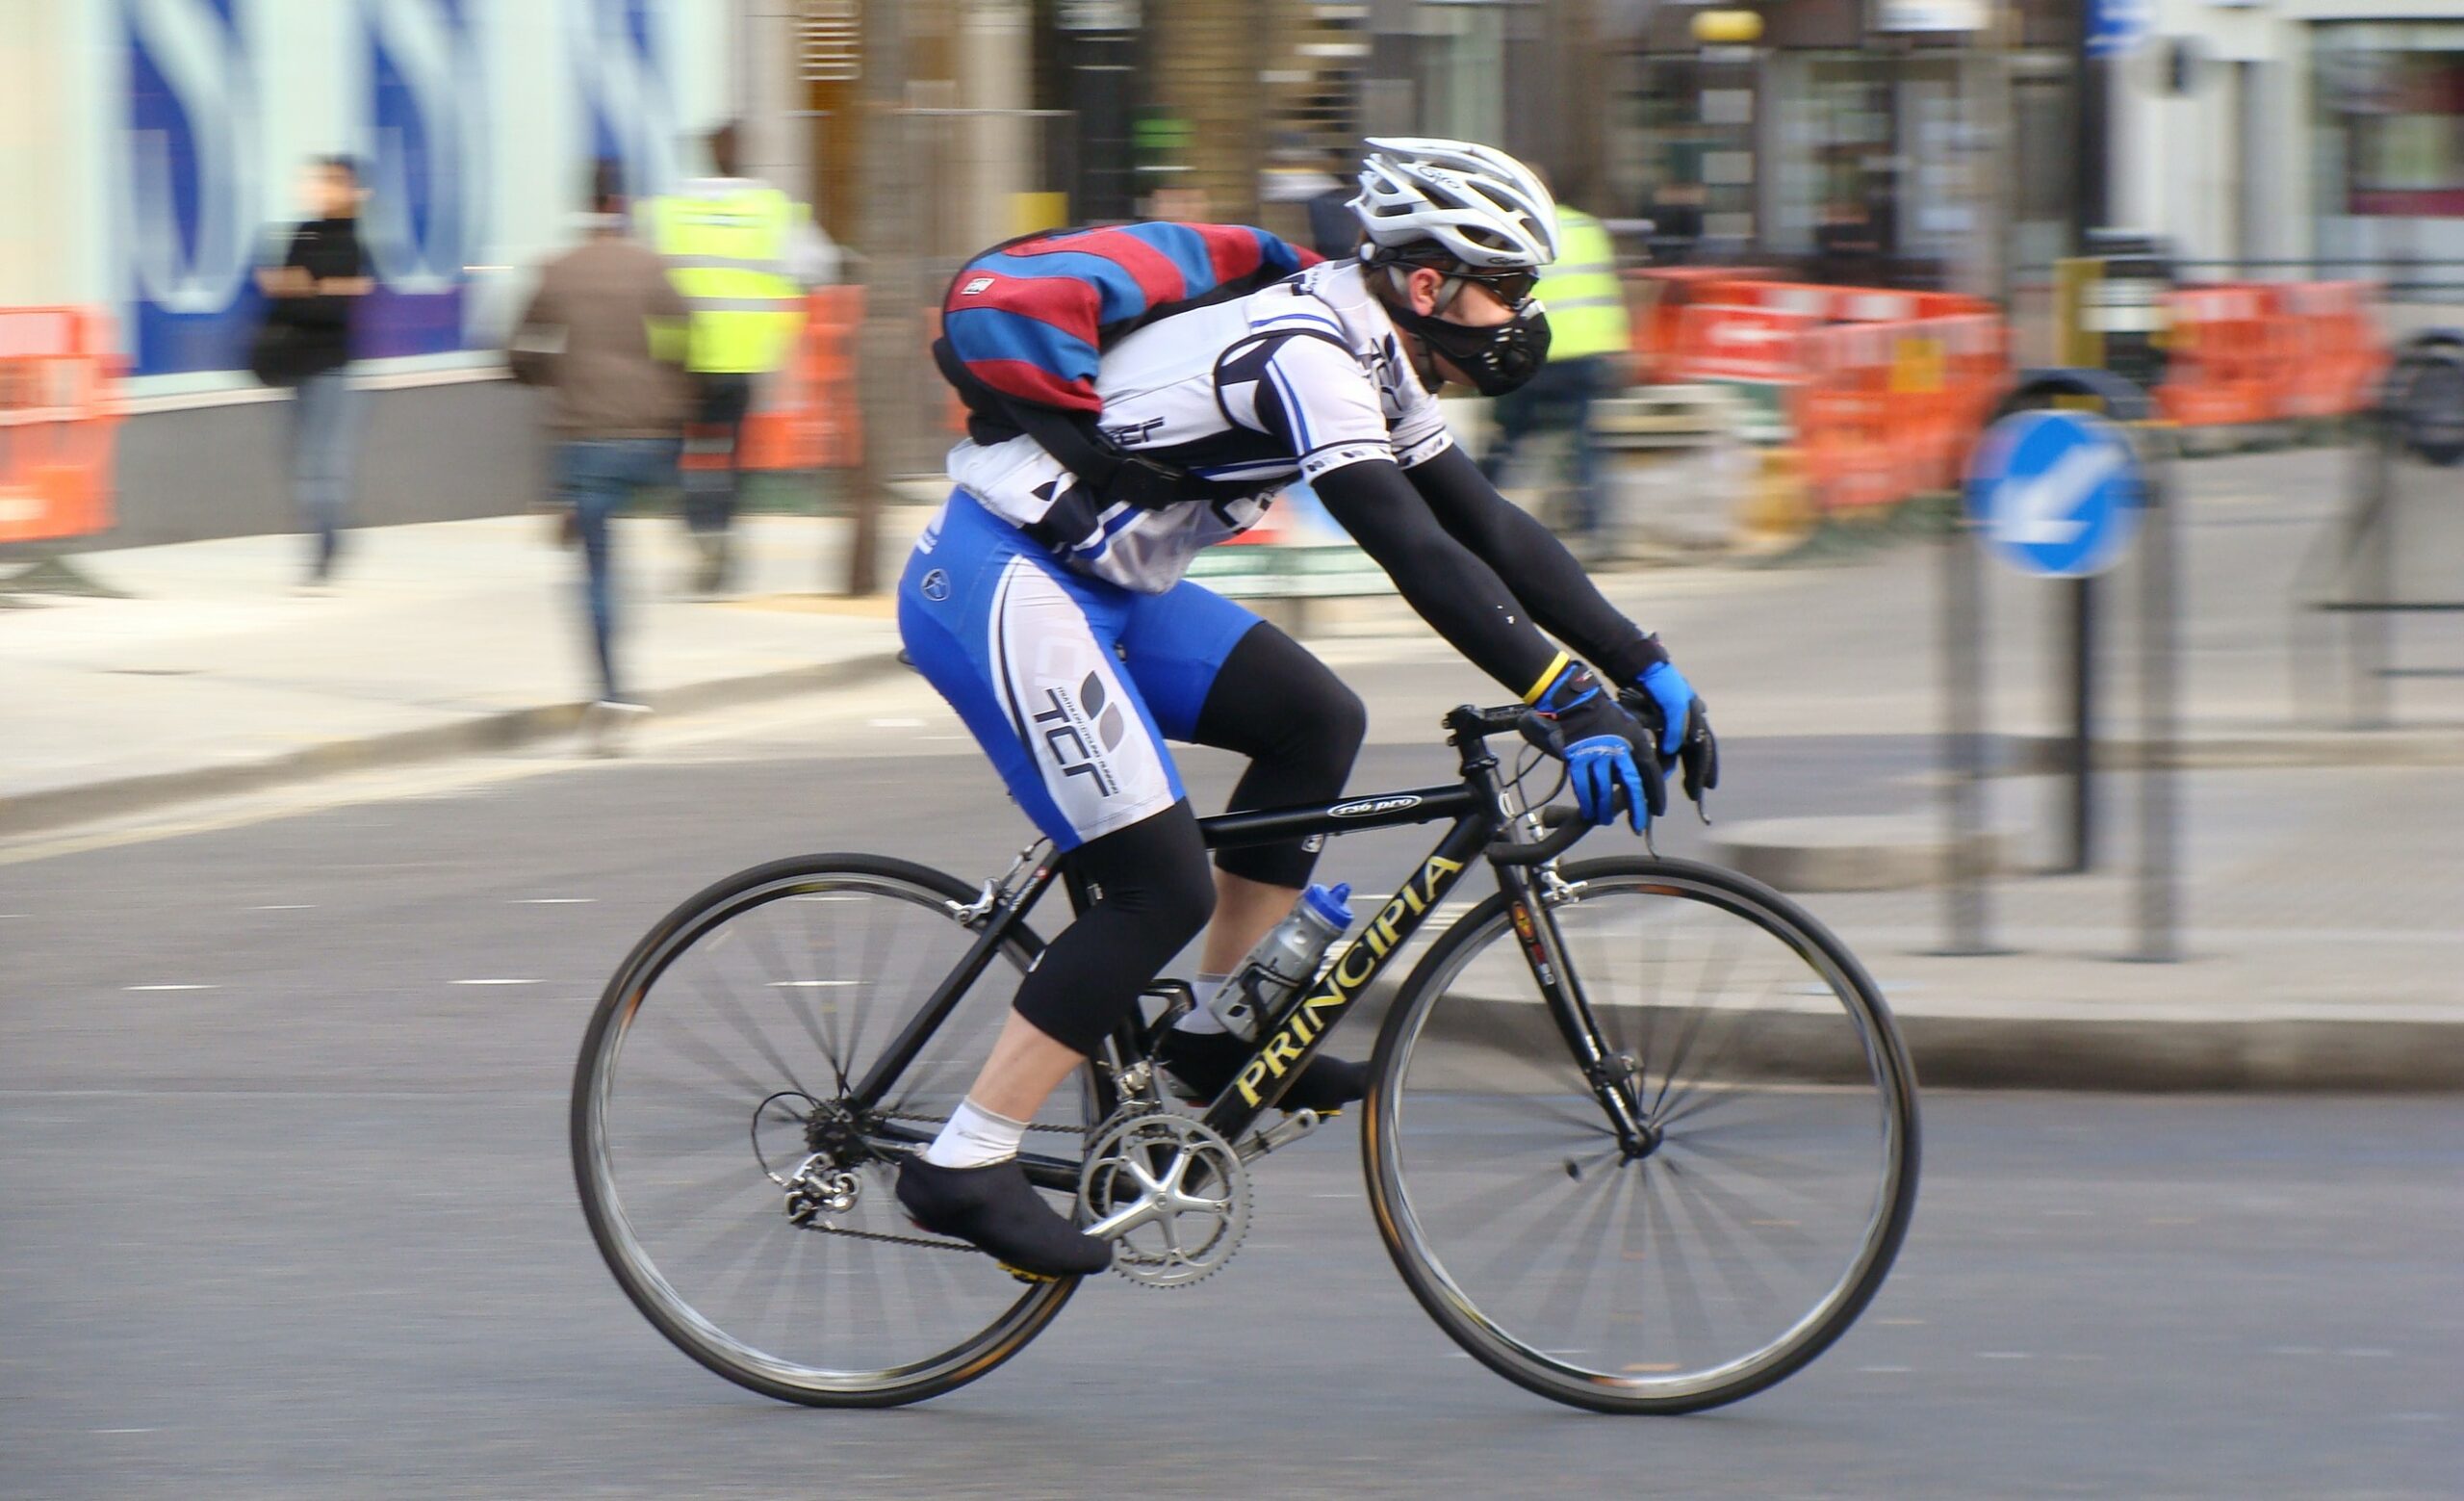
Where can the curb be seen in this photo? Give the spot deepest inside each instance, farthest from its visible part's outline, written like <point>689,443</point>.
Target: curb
<point>2114,1056</point>
<point>1852,852</point>
<point>2126,1055</point>
<point>501,729</point>
<point>2044,754</point>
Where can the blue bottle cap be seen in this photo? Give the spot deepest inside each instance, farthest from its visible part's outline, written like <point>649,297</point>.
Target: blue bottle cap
<point>1334,906</point>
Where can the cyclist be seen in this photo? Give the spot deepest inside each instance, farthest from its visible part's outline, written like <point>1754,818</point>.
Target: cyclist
<point>1058,623</point>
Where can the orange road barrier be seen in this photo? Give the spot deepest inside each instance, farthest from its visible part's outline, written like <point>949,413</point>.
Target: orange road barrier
<point>2342,356</point>
<point>2227,353</point>
<point>56,415</point>
<point>2271,351</point>
<point>1887,390</point>
<point>1890,409</point>
<point>1842,304</point>
<point>1721,343</point>
<point>809,418</point>
<point>1655,299</point>
<point>1851,425</point>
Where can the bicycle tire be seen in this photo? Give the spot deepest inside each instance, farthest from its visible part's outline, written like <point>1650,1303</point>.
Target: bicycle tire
<point>825,877</point>
<point>1640,1388</point>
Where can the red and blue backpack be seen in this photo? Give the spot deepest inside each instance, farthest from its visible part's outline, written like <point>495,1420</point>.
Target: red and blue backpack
<point>1026,322</point>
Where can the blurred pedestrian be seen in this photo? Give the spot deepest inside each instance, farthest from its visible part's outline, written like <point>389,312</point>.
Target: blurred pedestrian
<point>1847,245</point>
<point>313,297</point>
<point>1589,354</point>
<point>1677,221</point>
<point>607,332</point>
<point>742,252</point>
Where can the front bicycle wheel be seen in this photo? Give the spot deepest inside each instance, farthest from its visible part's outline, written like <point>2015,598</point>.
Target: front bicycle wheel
<point>1741,1232</point>
<point>744,1204</point>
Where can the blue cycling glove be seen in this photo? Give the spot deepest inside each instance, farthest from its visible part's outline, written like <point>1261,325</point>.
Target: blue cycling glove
<point>1600,740</point>
<point>1675,697</point>
<point>1685,726</point>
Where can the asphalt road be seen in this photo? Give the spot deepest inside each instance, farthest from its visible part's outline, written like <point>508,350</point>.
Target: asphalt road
<point>285,1210</point>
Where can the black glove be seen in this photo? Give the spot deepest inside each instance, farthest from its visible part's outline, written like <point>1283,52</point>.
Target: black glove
<point>1586,719</point>
<point>1697,749</point>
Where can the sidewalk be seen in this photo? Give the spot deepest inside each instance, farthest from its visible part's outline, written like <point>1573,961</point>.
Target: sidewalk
<point>439,639</point>
<point>2319,881</point>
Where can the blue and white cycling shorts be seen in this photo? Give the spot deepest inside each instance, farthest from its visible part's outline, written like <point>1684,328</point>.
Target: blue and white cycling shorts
<point>1071,685</point>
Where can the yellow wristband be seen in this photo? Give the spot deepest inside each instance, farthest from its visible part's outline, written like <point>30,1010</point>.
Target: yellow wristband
<point>1546,678</point>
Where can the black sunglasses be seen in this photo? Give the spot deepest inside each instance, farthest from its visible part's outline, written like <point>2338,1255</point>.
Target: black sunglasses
<point>1513,288</point>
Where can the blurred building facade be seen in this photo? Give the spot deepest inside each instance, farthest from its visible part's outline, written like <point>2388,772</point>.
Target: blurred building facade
<point>2302,130</point>
<point>149,153</point>
<point>146,147</point>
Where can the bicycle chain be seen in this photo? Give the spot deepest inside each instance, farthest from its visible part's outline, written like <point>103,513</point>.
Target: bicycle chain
<point>922,1242</point>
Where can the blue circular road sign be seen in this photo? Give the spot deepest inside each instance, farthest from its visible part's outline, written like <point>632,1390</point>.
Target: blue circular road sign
<point>2056,493</point>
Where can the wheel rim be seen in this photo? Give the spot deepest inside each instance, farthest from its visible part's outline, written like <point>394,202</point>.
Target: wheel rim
<point>727,1042</point>
<point>1767,1200</point>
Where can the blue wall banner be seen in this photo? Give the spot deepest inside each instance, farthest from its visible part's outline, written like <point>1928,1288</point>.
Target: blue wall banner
<point>188,184</point>
<point>474,124</point>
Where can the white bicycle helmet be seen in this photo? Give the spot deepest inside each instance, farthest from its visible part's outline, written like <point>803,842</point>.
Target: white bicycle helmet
<point>1478,204</point>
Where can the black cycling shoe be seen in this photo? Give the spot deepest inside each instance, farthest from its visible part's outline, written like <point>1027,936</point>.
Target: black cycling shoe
<point>1203,1062</point>
<point>995,1207</point>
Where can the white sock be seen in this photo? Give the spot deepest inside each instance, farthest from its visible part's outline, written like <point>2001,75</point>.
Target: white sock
<point>1202,1016</point>
<point>975,1138</point>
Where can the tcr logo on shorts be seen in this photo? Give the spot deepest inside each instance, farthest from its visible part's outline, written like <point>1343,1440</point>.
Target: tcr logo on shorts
<point>1080,731</point>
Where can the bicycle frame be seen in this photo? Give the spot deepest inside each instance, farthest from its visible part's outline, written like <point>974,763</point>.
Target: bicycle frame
<point>1480,809</point>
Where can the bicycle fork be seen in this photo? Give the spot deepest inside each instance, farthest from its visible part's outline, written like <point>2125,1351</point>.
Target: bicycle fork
<point>1610,1074</point>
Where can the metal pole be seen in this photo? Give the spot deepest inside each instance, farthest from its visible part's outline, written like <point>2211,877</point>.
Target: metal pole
<point>2087,164</point>
<point>2374,630</point>
<point>2080,755</point>
<point>1967,903</point>
<point>2159,918</point>
<point>886,225</point>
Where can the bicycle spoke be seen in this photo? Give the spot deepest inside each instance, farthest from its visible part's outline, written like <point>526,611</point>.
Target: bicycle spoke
<point>828,1041</point>
<point>734,1013</point>
<point>1733,1242</point>
<point>814,1312</point>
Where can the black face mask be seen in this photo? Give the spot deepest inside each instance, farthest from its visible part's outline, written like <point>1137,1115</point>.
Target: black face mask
<point>1499,359</point>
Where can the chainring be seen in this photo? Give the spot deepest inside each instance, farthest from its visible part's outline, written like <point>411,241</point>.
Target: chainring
<point>1168,1192</point>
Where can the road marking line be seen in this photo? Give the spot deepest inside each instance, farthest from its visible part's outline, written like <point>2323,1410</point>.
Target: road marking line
<point>172,987</point>
<point>553,901</point>
<point>492,982</point>
<point>284,906</point>
<point>123,1430</point>
<point>896,724</point>
<point>810,985</point>
<point>2004,1354</point>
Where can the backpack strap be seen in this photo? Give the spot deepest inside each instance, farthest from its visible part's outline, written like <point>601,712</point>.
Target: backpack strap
<point>1074,439</point>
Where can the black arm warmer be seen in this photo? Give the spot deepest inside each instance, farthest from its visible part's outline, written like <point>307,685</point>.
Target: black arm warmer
<point>1451,587</point>
<point>1534,564</point>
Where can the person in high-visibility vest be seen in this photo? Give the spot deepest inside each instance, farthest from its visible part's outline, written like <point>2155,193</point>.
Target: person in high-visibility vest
<point>741,253</point>
<point>1588,355</point>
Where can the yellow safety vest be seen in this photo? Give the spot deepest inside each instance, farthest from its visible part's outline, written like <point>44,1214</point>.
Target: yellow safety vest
<point>1585,301</point>
<point>724,253</point>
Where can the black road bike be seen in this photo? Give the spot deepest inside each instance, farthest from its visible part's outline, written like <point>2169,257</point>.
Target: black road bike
<point>1641,1136</point>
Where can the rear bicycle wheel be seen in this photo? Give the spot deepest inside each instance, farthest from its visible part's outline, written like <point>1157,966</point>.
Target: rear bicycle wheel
<point>743,1204</point>
<point>1772,1187</point>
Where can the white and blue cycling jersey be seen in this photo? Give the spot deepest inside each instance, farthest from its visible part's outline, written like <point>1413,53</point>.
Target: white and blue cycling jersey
<point>1291,382</point>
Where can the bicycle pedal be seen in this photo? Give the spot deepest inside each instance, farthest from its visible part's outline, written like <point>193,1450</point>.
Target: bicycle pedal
<point>1021,1274</point>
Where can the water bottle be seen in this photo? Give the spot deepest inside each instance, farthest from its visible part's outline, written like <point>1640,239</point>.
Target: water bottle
<point>1283,961</point>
